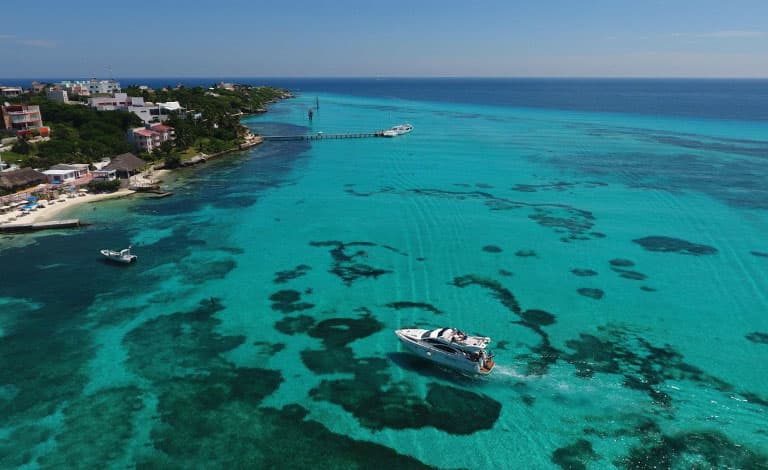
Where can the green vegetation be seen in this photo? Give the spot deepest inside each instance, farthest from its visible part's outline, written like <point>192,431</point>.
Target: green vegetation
<point>78,135</point>
<point>83,135</point>
<point>218,126</point>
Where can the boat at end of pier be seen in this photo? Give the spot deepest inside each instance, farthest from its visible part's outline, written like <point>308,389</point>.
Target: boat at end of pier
<point>450,347</point>
<point>400,129</point>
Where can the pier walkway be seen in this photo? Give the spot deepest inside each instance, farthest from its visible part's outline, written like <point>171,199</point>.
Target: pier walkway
<point>322,136</point>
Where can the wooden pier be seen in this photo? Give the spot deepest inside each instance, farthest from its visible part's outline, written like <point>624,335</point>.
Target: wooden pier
<point>322,136</point>
<point>36,227</point>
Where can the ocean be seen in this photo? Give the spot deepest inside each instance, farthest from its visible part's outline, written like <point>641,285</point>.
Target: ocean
<point>608,235</point>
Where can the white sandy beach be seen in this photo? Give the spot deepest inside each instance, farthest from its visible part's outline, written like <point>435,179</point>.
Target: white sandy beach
<point>53,211</point>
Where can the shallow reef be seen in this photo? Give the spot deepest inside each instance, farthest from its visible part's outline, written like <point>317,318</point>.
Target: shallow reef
<point>287,301</point>
<point>281,277</point>
<point>492,249</point>
<point>576,456</point>
<point>584,272</point>
<point>346,260</point>
<point>758,337</point>
<point>418,305</point>
<point>591,292</point>
<point>674,245</point>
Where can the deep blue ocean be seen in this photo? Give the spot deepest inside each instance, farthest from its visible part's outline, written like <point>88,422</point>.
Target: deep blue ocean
<point>742,99</point>
<point>608,235</point>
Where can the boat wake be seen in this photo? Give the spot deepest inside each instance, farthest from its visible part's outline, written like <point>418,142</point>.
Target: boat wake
<point>510,372</point>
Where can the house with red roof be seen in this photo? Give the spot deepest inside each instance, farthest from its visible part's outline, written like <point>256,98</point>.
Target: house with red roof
<point>151,136</point>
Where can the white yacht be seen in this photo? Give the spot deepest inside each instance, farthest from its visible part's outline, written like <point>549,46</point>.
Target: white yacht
<point>122,256</point>
<point>450,347</point>
<point>398,130</point>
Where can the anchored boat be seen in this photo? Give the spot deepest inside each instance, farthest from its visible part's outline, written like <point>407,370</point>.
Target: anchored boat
<point>122,256</point>
<point>450,347</point>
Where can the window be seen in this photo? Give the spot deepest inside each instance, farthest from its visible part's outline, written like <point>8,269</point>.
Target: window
<point>445,348</point>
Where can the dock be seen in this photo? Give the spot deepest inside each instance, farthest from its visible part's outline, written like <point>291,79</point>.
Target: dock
<point>36,227</point>
<point>322,136</point>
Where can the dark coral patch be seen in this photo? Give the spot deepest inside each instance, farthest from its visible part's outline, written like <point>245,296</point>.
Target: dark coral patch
<point>627,274</point>
<point>642,365</point>
<point>294,325</point>
<point>759,254</point>
<point>584,272</point>
<point>674,245</point>
<point>449,404</point>
<point>281,277</point>
<point>576,456</point>
<point>647,289</point>
<point>543,355</point>
<point>538,317</point>
<point>338,332</point>
<point>287,296</point>
<point>591,292</point>
<point>622,263</point>
<point>525,253</point>
<point>179,343</point>
<point>398,407</point>
<point>503,294</point>
<point>346,264</point>
<point>506,273</point>
<point>419,305</point>
<point>492,249</point>
<point>287,301</point>
<point>758,337</point>
<point>708,449</point>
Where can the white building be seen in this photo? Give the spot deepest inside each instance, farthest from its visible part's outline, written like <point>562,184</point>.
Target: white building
<point>103,86</point>
<point>115,102</point>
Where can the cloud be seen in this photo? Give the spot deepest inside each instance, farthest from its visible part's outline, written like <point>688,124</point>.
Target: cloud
<point>37,43</point>
<point>724,34</point>
<point>7,36</point>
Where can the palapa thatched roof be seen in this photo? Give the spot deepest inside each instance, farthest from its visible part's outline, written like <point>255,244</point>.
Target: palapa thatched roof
<point>125,162</point>
<point>21,178</point>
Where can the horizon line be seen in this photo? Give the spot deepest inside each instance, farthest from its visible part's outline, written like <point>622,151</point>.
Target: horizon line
<point>400,77</point>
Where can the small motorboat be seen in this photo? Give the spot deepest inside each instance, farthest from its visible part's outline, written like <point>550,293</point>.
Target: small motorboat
<point>398,130</point>
<point>450,347</point>
<point>122,256</point>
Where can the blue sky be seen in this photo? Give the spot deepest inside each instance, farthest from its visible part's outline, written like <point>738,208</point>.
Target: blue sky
<point>637,38</point>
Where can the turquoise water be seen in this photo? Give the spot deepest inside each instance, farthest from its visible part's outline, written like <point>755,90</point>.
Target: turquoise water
<point>618,261</point>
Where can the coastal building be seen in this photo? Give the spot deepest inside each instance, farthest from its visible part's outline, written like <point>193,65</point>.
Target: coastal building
<point>58,95</point>
<point>125,165</point>
<point>150,137</point>
<point>104,175</point>
<point>21,118</point>
<point>23,178</point>
<point>64,173</point>
<point>74,87</point>
<point>90,87</point>
<point>10,91</point>
<point>115,102</point>
<point>103,86</point>
<point>38,87</point>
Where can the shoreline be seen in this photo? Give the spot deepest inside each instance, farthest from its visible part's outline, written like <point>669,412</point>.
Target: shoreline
<point>52,211</point>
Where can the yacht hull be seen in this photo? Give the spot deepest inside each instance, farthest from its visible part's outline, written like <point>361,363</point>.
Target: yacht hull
<point>457,360</point>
